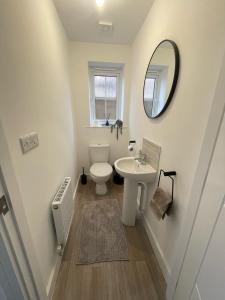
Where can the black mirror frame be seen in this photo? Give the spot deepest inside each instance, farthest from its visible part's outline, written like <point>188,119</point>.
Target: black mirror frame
<point>175,78</point>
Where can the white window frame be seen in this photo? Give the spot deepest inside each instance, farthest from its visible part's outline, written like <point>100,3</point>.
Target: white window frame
<point>156,76</point>
<point>105,72</point>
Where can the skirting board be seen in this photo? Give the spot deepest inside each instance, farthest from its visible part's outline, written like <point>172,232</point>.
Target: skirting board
<point>53,277</point>
<point>55,270</point>
<point>76,187</point>
<point>157,249</point>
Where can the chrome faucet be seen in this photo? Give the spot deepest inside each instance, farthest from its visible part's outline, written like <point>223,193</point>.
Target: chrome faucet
<point>141,158</point>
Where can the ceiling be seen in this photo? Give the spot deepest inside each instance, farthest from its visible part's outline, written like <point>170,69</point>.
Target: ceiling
<point>80,19</point>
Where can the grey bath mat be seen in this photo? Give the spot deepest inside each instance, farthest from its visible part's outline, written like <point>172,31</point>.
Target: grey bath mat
<point>101,235</point>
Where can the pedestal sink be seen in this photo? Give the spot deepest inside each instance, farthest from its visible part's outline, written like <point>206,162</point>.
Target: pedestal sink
<point>133,173</point>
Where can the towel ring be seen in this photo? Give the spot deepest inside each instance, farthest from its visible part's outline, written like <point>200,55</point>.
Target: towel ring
<point>168,174</point>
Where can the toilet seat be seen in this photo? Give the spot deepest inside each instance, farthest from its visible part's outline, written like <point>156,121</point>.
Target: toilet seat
<point>101,169</point>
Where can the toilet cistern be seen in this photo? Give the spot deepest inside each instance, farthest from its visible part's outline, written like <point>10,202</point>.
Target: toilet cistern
<point>100,170</point>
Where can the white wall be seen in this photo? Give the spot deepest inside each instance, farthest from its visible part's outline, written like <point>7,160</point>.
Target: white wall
<point>198,28</point>
<point>80,55</point>
<point>35,96</point>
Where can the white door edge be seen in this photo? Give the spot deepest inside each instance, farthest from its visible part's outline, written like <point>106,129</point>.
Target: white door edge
<point>20,219</point>
<point>206,153</point>
<point>209,241</point>
<point>13,244</point>
<point>13,259</point>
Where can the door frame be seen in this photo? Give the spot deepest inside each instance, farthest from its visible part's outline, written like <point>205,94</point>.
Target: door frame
<point>19,219</point>
<point>10,269</point>
<point>206,153</point>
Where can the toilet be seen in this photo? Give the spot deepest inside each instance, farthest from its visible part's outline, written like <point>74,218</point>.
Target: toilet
<point>100,170</point>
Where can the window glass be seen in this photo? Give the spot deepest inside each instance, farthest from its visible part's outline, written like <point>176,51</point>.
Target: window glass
<point>99,85</point>
<point>149,88</point>
<point>111,109</point>
<point>110,87</point>
<point>105,97</point>
<point>99,109</point>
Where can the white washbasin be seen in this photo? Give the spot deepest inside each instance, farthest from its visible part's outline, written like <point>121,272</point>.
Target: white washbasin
<point>129,168</point>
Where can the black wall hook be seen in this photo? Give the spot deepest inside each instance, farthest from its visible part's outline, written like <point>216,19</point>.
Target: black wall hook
<point>168,174</point>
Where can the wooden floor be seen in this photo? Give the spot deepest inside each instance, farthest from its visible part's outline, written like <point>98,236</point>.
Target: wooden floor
<point>138,278</point>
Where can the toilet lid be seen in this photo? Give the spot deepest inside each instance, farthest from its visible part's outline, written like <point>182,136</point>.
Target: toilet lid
<point>101,169</point>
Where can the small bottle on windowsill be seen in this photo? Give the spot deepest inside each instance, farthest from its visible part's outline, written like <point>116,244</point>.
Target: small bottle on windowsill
<point>107,120</point>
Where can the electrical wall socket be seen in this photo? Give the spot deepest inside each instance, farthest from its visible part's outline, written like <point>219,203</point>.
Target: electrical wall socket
<point>29,141</point>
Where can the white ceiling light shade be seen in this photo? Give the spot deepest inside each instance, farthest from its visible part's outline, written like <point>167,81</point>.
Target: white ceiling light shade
<point>100,3</point>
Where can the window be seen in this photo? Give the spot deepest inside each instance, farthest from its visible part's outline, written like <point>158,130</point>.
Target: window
<point>156,90</point>
<point>105,95</point>
<point>151,89</point>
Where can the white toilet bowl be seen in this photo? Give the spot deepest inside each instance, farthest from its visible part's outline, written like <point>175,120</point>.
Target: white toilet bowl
<point>100,174</point>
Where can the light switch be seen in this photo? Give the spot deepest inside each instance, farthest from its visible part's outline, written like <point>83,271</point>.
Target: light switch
<point>29,141</point>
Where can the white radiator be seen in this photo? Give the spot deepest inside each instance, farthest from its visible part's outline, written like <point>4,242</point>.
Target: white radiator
<point>63,210</point>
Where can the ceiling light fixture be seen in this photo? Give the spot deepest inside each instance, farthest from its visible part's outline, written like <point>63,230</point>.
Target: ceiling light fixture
<point>100,2</point>
<point>105,26</point>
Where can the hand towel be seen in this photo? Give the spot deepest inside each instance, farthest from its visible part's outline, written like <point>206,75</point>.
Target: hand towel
<point>160,202</point>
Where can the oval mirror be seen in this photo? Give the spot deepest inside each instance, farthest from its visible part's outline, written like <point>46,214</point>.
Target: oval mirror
<point>161,79</point>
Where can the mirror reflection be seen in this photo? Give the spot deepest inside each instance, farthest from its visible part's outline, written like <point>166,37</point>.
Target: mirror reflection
<point>161,77</point>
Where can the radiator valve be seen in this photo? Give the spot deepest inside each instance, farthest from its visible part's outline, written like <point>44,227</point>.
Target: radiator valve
<point>60,250</point>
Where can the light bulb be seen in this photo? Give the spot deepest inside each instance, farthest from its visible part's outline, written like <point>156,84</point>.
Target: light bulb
<point>100,2</point>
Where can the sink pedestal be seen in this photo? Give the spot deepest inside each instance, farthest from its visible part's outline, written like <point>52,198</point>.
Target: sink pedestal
<point>129,202</point>
<point>133,172</point>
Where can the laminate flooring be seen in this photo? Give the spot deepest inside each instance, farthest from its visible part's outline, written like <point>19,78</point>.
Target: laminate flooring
<point>140,278</point>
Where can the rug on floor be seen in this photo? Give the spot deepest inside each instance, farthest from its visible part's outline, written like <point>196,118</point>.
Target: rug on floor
<point>100,235</point>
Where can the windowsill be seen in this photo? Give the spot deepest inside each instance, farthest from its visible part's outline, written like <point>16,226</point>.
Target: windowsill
<point>101,126</point>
